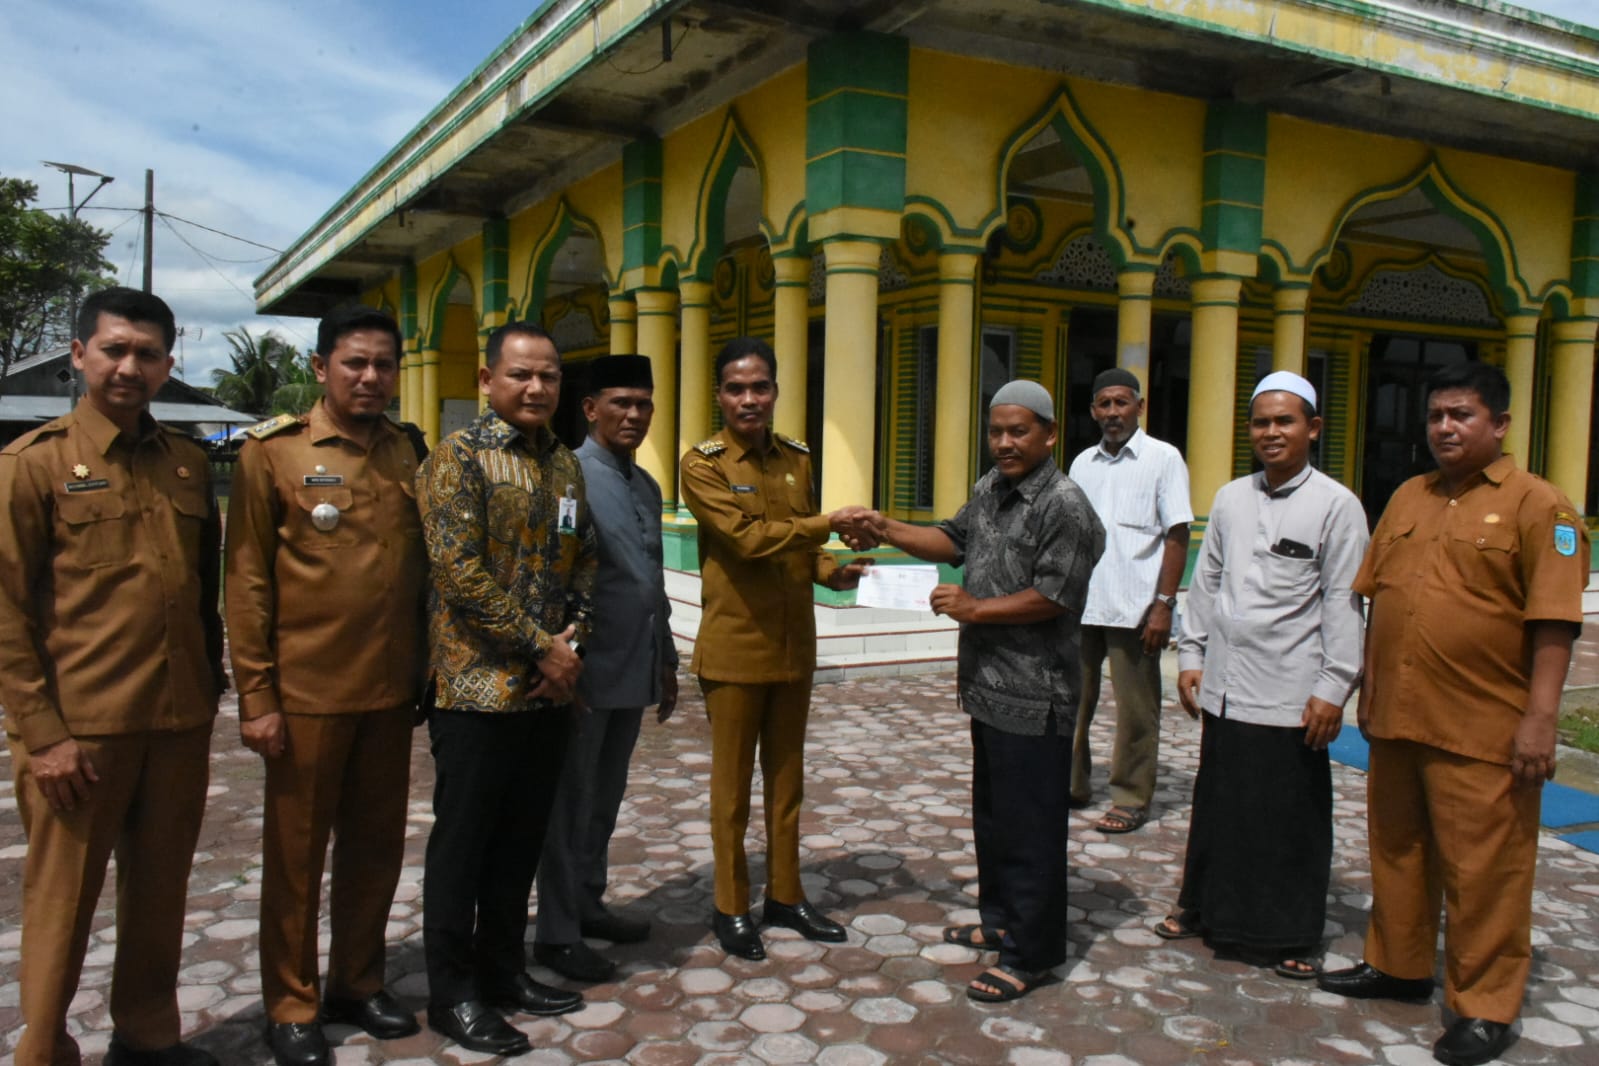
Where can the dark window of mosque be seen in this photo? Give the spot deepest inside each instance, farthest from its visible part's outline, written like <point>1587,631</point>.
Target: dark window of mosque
<point>926,383</point>
<point>997,365</point>
<point>816,364</point>
<point>568,422</point>
<point>1395,447</point>
<point>1591,501</point>
<point>1091,348</point>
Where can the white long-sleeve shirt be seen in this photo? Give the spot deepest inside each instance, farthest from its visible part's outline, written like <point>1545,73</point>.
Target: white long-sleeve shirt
<point>1269,629</point>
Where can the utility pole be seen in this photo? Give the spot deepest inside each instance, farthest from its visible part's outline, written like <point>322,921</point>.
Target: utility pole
<point>71,170</point>
<point>149,226</point>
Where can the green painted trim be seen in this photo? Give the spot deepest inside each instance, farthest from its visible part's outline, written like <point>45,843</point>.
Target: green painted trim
<point>543,255</point>
<point>854,179</point>
<point>641,203</point>
<point>1234,185</point>
<point>862,121</point>
<point>733,149</point>
<point>408,304</point>
<point>439,302</point>
<point>858,60</point>
<point>496,265</point>
<point>1585,237</point>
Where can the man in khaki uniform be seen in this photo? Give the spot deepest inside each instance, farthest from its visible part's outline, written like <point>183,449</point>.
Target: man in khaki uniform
<point>1475,574</point>
<point>325,594</point>
<point>110,668</point>
<point>760,549</point>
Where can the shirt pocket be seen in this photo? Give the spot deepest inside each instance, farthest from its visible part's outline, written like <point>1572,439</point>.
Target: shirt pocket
<point>1288,578</point>
<point>1485,555</point>
<point>1135,510</point>
<point>309,497</point>
<point>98,530</point>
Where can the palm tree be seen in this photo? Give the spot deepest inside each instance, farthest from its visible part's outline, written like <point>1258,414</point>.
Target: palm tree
<point>260,367</point>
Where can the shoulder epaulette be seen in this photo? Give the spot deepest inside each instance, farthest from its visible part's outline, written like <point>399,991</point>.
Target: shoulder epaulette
<point>277,424</point>
<point>711,447</point>
<point>50,428</point>
<point>797,445</point>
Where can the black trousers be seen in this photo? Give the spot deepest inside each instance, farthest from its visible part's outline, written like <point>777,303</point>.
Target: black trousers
<point>495,777</point>
<point>1021,788</point>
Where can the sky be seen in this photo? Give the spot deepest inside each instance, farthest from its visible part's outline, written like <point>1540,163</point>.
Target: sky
<point>256,116</point>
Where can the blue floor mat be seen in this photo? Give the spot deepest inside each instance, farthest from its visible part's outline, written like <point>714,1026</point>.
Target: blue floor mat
<point>1564,805</point>
<point>1350,748</point>
<point>1588,841</point>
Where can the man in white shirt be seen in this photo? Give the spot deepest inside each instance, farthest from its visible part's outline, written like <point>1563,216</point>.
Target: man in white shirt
<point>1139,488</point>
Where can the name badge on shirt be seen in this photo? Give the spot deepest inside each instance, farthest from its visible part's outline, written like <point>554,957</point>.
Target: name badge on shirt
<point>566,517</point>
<point>105,483</point>
<point>742,488</point>
<point>324,479</point>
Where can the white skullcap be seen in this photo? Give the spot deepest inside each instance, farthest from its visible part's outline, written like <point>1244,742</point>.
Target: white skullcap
<point>1028,394</point>
<point>1286,381</point>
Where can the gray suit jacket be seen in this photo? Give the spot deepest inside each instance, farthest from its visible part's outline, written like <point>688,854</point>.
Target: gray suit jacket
<point>630,641</point>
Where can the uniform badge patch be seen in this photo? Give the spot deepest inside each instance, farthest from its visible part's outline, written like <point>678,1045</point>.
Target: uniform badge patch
<point>81,472</point>
<point>742,488</point>
<point>1565,539</point>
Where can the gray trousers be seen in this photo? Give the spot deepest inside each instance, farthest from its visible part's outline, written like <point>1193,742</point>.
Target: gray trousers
<point>1135,677</point>
<point>573,868</point>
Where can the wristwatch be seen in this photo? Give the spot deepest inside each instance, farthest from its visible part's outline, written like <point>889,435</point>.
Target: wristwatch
<point>577,648</point>
<point>1169,601</point>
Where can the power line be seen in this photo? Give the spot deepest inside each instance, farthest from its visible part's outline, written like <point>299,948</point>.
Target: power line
<point>219,273</point>
<point>223,233</point>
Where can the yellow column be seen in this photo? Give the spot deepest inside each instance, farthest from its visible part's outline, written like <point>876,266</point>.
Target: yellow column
<point>1211,383</point>
<point>694,383</point>
<point>1135,291</point>
<point>624,325</point>
<point>1521,357</point>
<point>791,303</point>
<point>1570,404</point>
<point>953,428</point>
<point>411,388</point>
<point>849,384</point>
<point>657,338</point>
<point>429,414</point>
<point>1289,304</point>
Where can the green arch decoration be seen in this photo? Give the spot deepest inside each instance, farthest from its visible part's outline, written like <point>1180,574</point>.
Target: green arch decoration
<point>438,300</point>
<point>733,149</point>
<point>1507,288</point>
<point>543,256</point>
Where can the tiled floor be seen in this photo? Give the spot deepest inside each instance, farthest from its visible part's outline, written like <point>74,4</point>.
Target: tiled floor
<point>887,850</point>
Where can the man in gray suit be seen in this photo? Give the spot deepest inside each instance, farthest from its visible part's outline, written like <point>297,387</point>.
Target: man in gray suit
<point>630,664</point>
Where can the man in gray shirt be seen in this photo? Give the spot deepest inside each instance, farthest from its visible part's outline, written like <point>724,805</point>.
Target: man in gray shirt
<point>1270,652</point>
<point>630,663</point>
<point>1029,540</point>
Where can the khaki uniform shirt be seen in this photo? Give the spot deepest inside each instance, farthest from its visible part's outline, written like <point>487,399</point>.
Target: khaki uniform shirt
<point>325,621</point>
<point>760,544</point>
<point>109,553</point>
<point>513,565</point>
<point>1453,582</point>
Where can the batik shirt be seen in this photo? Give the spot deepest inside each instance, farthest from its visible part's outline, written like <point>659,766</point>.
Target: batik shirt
<point>512,566</point>
<point>1039,533</point>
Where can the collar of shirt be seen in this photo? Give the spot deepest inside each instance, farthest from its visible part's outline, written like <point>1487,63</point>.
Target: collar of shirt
<point>1129,449</point>
<point>744,451</point>
<point>1028,487</point>
<point>1494,473</point>
<point>502,434</point>
<point>103,433</point>
<point>622,464</point>
<point>1287,487</point>
<point>323,427</point>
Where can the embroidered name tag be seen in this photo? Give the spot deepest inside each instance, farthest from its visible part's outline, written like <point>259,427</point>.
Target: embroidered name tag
<point>742,488</point>
<point>324,479</point>
<point>88,486</point>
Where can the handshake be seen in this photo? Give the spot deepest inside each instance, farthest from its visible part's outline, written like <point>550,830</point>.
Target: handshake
<point>860,527</point>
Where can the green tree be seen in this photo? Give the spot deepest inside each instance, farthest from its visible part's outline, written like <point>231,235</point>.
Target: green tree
<point>260,367</point>
<point>299,391</point>
<point>47,263</point>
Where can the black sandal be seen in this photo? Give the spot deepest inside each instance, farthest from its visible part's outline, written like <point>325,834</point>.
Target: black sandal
<point>996,977</point>
<point>978,937</point>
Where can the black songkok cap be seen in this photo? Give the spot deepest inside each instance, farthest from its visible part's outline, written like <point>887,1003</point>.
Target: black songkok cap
<point>1108,379</point>
<point>620,372</point>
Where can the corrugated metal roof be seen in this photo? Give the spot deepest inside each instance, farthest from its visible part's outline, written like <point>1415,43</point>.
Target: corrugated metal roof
<point>44,408</point>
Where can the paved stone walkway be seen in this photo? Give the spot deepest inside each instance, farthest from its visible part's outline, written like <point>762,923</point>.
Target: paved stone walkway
<point>888,850</point>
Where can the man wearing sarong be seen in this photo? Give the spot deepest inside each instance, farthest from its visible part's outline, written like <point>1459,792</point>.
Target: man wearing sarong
<point>1270,652</point>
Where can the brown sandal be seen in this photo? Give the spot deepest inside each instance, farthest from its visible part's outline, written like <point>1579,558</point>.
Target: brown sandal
<point>1122,820</point>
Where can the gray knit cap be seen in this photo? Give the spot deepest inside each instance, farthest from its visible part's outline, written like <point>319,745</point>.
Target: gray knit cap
<point>1028,394</point>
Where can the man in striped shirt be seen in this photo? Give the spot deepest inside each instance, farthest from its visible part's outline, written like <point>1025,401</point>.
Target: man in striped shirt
<point>1139,488</point>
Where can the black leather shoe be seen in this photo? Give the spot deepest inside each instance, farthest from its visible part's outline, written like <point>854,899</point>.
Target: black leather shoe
<point>804,919</point>
<point>120,1054</point>
<point>738,935</point>
<point>1367,982</point>
<point>576,961</point>
<point>379,1014</point>
<point>616,929</point>
<point>1471,1041</point>
<point>297,1044</point>
<point>478,1027</point>
<point>534,997</point>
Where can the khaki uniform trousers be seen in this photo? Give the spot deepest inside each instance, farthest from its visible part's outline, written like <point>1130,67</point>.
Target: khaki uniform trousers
<point>146,809</point>
<point>1449,829</point>
<point>348,776</point>
<point>1135,678</point>
<point>744,716</point>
